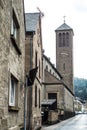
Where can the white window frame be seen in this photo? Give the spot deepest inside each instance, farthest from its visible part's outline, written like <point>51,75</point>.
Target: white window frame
<point>13,85</point>
<point>14,29</point>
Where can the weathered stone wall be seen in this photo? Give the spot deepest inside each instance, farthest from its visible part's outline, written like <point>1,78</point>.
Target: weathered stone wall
<point>69,101</point>
<point>64,97</point>
<point>64,55</point>
<point>57,87</point>
<point>52,116</point>
<point>30,54</point>
<point>11,63</point>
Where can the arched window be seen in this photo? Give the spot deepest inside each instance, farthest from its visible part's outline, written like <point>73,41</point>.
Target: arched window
<point>60,40</point>
<point>64,66</point>
<point>46,67</point>
<point>67,39</point>
<point>63,39</point>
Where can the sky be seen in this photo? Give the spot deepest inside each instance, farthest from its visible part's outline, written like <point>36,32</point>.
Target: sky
<point>76,17</point>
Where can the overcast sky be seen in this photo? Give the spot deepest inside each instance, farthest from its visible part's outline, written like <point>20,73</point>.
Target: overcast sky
<point>76,17</point>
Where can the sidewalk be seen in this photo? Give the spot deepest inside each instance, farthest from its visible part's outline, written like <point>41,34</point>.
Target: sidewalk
<point>51,127</point>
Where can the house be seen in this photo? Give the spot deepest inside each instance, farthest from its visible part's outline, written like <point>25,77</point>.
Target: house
<point>78,105</point>
<point>33,59</point>
<point>12,61</point>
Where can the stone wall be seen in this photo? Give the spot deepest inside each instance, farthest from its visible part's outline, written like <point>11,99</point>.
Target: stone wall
<point>11,62</point>
<point>64,58</point>
<point>52,117</point>
<point>31,47</point>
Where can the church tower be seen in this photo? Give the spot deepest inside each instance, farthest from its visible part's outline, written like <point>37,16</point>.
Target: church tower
<point>64,53</point>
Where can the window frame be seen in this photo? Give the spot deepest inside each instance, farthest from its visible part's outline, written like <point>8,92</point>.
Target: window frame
<point>60,40</point>
<point>13,94</point>
<point>15,32</point>
<point>15,26</point>
<point>14,29</point>
<point>64,66</point>
<point>1,3</point>
<point>67,39</point>
<point>39,98</point>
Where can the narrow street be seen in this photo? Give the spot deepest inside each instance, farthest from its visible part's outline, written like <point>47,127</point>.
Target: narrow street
<point>79,122</point>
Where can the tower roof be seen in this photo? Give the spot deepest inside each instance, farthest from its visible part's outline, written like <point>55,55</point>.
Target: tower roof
<point>64,26</point>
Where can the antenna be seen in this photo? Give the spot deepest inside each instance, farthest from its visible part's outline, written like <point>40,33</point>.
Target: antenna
<point>41,13</point>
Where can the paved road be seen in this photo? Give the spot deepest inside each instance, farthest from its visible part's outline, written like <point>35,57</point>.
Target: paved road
<point>78,122</point>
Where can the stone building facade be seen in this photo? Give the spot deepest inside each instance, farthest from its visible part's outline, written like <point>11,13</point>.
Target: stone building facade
<point>64,53</point>
<point>55,88</point>
<point>33,59</point>
<point>12,55</point>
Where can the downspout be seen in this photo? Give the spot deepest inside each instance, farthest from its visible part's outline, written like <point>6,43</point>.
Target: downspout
<point>30,87</point>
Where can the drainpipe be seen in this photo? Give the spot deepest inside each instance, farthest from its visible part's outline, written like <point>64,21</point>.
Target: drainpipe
<point>30,87</point>
<point>25,104</point>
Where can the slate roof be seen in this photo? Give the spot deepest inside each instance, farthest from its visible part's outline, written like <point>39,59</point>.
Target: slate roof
<point>64,26</point>
<point>48,101</point>
<point>31,21</point>
<point>52,65</point>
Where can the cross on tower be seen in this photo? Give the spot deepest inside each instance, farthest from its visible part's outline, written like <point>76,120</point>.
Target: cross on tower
<point>64,18</point>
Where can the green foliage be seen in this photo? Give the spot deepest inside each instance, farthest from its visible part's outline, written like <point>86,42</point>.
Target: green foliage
<point>80,88</point>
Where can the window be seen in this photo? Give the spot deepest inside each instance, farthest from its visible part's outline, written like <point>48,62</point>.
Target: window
<point>15,27</point>
<point>36,59</point>
<point>39,69</point>
<point>39,98</point>
<point>13,91</point>
<point>15,32</point>
<point>63,39</point>
<point>64,66</point>
<point>35,96</point>
<point>60,40</point>
<point>46,67</point>
<point>67,39</point>
<point>50,70</point>
<point>1,3</point>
